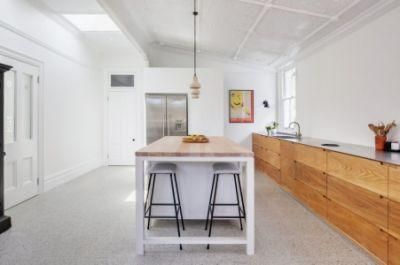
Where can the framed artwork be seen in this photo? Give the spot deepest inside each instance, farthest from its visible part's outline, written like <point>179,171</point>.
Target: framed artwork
<point>241,106</point>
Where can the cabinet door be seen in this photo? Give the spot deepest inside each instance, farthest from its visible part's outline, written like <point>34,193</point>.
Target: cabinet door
<point>366,234</point>
<point>394,251</point>
<point>314,178</point>
<point>368,174</point>
<point>311,156</point>
<point>310,197</point>
<point>287,173</point>
<point>394,183</point>
<point>394,218</point>
<point>287,149</point>
<point>369,205</point>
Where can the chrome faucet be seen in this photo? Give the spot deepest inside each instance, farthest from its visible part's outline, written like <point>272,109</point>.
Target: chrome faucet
<point>298,133</point>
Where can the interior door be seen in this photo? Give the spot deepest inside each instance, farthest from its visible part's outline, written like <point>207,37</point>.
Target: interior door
<point>122,122</point>
<point>20,132</point>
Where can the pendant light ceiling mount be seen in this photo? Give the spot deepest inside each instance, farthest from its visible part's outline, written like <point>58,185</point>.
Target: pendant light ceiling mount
<point>195,85</point>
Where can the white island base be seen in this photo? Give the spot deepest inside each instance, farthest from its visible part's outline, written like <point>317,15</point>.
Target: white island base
<point>194,178</point>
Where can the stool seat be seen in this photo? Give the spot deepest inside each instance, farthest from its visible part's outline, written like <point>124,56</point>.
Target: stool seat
<point>225,168</point>
<point>163,168</point>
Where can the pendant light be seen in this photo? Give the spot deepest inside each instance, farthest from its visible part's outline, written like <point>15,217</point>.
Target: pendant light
<point>195,85</point>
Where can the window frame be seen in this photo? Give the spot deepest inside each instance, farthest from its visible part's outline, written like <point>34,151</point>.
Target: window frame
<point>282,99</point>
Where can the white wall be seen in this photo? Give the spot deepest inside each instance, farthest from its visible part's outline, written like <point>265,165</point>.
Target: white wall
<point>236,76</point>
<point>264,87</point>
<point>351,83</point>
<point>206,113</point>
<point>72,89</point>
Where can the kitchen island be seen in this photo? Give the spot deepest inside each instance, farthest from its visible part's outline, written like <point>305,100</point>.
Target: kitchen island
<point>194,174</point>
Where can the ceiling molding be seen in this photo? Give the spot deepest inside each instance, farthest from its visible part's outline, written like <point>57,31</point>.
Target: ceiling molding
<point>360,21</point>
<point>114,17</point>
<point>292,10</point>
<point>212,56</point>
<point>252,28</point>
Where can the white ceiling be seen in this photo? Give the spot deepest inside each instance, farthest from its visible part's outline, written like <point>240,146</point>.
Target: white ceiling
<point>260,32</point>
<point>252,31</point>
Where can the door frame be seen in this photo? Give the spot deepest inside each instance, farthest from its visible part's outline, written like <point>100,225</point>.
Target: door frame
<point>106,89</point>
<point>41,105</point>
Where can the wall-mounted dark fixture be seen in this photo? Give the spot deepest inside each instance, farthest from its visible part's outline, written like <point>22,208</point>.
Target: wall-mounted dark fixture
<point>5,221</point>
<point>266,104</point>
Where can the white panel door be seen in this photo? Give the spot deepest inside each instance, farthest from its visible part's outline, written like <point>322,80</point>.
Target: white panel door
<point>122,127</point>
<point>20,132</point>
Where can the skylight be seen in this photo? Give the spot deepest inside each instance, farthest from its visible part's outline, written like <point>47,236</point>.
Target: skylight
<point>92,22</point>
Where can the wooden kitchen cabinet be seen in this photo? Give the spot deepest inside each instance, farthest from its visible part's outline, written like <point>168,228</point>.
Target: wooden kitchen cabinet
<point>394,183</point>
<point>316,179</point>
<point>265,142</point>
<point>310,156</point>
<point>272,158</point>
<point>287,173</point>
<point>287,150</point>
<point>394,251</point>
<point>366,234</point>
<point>394,218</point>
<point>369,205</point>
<point>368,174</point>
<point>310,197</point>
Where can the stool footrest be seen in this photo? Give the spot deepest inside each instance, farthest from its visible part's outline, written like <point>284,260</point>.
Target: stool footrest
<point>227,216</point>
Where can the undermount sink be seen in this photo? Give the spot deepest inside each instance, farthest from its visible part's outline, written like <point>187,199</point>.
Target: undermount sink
<point>330,145</point>
<point>286,136</point>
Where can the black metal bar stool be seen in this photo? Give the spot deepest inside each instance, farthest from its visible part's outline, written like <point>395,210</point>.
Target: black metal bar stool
<point>225,169</point>
<point>164,169</point>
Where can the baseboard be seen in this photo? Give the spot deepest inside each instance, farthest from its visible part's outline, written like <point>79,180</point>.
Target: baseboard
<point>66,175</point>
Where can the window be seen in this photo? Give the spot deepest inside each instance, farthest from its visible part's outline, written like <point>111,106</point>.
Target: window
<point>121,81</point>
<point>288,97</point>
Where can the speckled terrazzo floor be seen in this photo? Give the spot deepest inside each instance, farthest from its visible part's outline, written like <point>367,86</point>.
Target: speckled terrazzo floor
<point>90,221</point>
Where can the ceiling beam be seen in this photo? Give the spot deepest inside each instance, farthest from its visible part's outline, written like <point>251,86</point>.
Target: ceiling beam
<point>266,7</point>
<point>292,10</point>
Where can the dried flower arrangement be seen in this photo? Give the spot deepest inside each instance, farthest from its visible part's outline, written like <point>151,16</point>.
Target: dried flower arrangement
<point>381,129</point>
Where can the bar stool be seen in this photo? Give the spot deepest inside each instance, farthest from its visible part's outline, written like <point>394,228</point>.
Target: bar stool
<point>164,169</point>
<point>225,169</point>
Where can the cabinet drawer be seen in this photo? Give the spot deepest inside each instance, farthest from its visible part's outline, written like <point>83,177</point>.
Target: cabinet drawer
<point>287,173</point>
<point>314,178</point>
<point>272,172</point>
<point>366,234</point>
<point>272,144</point>
<point>257,150</point>
<point>310,197</point>
<point>310,156</point>
<point>394,251</point>
<point>370,175</point>
<point>272,158</point>
<point>394,218</point>
<point>394,183</point>
<point>287,149</point>
<point>369,205</point>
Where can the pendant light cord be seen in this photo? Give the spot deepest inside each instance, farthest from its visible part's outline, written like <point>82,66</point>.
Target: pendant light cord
<point>195,13</point>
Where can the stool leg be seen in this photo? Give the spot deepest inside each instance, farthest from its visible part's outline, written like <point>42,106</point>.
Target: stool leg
<point>212,209</point>
<point>238,202</point>
<point>179,202</point>
<point>209,201</point>
<point>151,200</point>
<point>176,212</point>
<point>148,192</point>
<point>241,196</point>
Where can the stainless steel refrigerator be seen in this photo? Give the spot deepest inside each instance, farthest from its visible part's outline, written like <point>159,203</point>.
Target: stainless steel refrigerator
<point>166,115</point>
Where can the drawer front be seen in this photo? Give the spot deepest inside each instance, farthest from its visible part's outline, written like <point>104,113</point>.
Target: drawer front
<point>314,178</point>
<point>272,144</point>
<point>394,251</point>
<point>370,175</point>
<point>272,172</point>
<point>272,158</point>
<point>257,139</point>
<point>394,183</point>
<point>394,218</point>
<point>366,234</point>
<point>311,156</point>
<point>287,149</point>
<point>366,204</point>
<point>310,197</point>
<point>257,150</point>
<point>287,173</point>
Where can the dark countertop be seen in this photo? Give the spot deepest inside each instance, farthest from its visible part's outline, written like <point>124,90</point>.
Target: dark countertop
<point>345,148</point>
